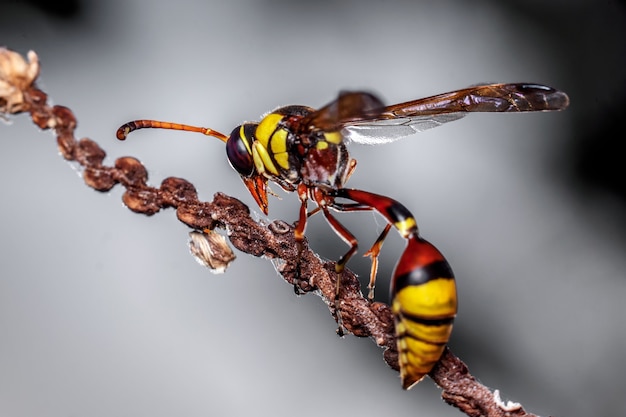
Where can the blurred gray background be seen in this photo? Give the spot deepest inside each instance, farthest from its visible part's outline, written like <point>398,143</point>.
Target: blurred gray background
<point>103,312</point>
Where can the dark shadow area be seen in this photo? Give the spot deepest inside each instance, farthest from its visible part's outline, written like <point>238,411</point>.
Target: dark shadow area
<point>593,76</point>
<point>597,160</point>
<point>64,9</point>
<point>67,9</point>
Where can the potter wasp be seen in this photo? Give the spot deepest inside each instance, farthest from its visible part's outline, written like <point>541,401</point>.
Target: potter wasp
<point>304,150</point>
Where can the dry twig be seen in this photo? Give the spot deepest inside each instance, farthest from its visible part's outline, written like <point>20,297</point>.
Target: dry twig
<point>18,93</point>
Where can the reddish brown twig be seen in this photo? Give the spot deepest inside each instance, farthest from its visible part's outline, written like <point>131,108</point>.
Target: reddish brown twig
<point>362,318</point>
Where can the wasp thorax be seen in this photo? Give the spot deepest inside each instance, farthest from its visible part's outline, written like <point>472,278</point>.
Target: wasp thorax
<point>239,149</point>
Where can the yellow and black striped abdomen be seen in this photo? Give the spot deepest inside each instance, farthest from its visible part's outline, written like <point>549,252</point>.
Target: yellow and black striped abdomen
<point>424,305</point>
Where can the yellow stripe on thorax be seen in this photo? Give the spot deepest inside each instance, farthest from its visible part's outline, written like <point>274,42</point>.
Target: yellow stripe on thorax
<point>278,148</point>
<point>333,137</point>
<point>267,127</point>
<point>273,140</point>
<point>321,145</point>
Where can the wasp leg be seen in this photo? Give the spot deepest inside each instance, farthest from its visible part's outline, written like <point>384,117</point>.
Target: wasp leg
<point>373,252</point>
<point>346,236</point>
<point>299,235</point>
<point>313,212</point>
<point>341,263</point>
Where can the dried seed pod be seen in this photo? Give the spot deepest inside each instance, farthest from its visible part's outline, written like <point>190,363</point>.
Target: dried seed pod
<point>211,250</point>
<point>16,75</point>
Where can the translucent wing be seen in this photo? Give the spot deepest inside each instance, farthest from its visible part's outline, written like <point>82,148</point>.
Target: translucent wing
<point>378,132</point>
<point>404,119</point>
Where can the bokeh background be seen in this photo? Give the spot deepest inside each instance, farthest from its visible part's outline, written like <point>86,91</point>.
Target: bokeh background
<point>104,312</point>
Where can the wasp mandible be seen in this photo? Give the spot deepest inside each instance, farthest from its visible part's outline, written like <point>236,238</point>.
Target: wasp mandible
<point>304,150</point>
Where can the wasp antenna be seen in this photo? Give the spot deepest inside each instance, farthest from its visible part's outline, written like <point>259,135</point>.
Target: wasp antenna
<point>126,128</point>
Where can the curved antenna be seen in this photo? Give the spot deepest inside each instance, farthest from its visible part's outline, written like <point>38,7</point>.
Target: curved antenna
<point>126,128</point>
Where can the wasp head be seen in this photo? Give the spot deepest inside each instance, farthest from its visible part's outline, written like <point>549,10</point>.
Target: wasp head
<point>239,152</point>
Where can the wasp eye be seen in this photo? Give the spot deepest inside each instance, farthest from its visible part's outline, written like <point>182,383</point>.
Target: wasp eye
<point>238,149</point>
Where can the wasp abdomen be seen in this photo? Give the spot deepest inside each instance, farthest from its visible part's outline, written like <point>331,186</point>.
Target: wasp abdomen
<point>424,304</point>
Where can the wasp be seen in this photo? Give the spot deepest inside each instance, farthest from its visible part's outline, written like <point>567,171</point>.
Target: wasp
<point>304,150</point>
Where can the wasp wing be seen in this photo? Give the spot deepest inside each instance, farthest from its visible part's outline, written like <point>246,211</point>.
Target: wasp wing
<point>381,131</point>
<point>349,107</point>
<point>404,119</point>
